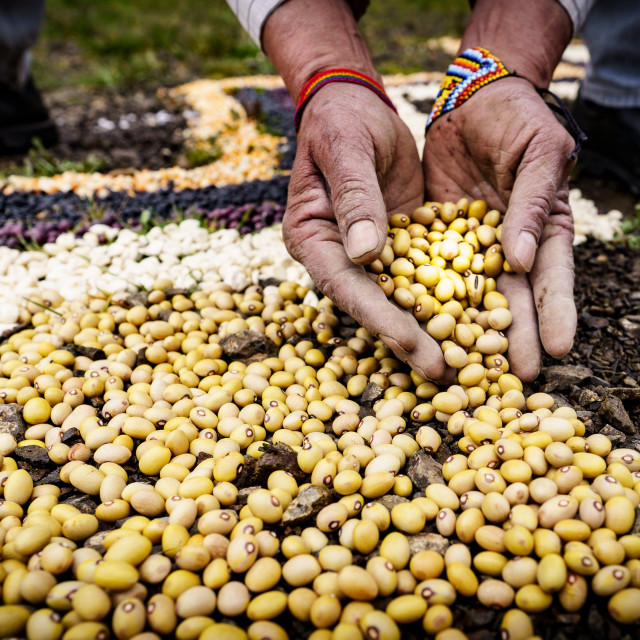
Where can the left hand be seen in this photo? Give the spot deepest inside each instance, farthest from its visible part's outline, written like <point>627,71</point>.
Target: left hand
<point>505,146</point>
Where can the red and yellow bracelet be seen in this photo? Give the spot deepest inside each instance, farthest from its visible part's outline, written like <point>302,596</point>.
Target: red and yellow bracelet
<point>337,75</point>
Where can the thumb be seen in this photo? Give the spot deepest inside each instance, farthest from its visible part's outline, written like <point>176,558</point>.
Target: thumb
<point>358,204</point>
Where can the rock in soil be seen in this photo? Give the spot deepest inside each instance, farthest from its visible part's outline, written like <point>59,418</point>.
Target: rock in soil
<point>248,346</point>
<point>306,505</point>
<point>423,470</point>
<point>11,421</point>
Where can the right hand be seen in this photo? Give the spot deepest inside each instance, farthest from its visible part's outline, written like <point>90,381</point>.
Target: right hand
<point>356,163</point>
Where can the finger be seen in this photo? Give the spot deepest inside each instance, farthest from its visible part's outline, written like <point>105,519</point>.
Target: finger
<point>361,168</point>
<point>552,279</point>
<point>349,286</point>
<point>358,204</point>
<point>542,173</point>
<point>524,345</point>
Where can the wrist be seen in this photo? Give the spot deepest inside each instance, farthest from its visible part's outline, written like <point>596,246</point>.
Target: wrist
<point>303,38</point>
<point>529,37</point>
<point>320,80</point>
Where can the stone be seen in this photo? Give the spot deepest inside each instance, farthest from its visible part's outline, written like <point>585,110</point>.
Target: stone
<point>306,505</point>
<point>372,393</point>
<point>585,416</point>
<point>274,457</point>
<point>32,455</point>
<point>423,470</point>
<point>96,541</point>
<point>626,393</point>
<point>565,375</point>
<point>248,346</point>
<point>444,451</point>
<point>428,542</point>
<point>478,617</point>
<point>612,411</point>
<point>11,421</point>
<point>243,494</point>
<point>596,381</point>
<point>136,299</point>
<point>90,352</point>
<point>588,398</point>
<point>631,326</point>
<point>390,500</point>
<point>82,503</point>
<point>560,400</point>
<point>616,436</point>
<point>36,473</point>
<point>176,291</point>
<point>71,436</point>
<point>632,442</point>
<point>53,477</point>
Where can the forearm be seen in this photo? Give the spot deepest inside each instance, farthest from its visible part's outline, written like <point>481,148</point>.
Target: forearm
<point>529,36</point>
<point>305,37</point>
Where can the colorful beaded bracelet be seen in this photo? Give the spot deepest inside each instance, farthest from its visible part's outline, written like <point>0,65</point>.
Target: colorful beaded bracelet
<point>476,67</point>
<point>471,70</point>
<point>336,75</point>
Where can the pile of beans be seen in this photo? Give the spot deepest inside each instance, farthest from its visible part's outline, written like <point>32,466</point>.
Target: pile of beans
<point>151,415</point>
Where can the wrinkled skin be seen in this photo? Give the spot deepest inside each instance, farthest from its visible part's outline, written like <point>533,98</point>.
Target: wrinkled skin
<point>356,163</point>
<point>505,146</point>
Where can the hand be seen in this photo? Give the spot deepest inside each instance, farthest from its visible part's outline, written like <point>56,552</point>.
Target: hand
<point>505,146</point>
<point>355,164</point>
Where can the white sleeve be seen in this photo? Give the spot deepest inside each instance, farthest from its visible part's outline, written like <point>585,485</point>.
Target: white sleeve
<point>252,15</point>
<point>577,10</point>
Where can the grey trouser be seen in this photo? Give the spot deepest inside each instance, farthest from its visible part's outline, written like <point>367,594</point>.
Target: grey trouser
<point>611,33</point>
<point>19,25</point>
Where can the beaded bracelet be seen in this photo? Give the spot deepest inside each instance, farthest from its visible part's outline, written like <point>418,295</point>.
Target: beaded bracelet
<point>476,67</point>
<point>472,69</point>
<point>337,75</point>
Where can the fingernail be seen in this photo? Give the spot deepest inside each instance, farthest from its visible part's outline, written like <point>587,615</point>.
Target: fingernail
<point>362,238</point>
<point>525,249</point>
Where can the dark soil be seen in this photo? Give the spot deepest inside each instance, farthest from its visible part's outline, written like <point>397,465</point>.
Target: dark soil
<point>117,132</point>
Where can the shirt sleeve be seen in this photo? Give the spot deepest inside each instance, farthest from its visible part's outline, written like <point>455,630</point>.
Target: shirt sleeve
<point>578,11</point>
<point>252,14</point>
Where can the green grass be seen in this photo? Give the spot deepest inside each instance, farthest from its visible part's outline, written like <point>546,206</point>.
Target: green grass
<point>204,153</point>
<point>630,230</point>
<point>41,162</point>
<point>121,45</point>
<point>397,33</point>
